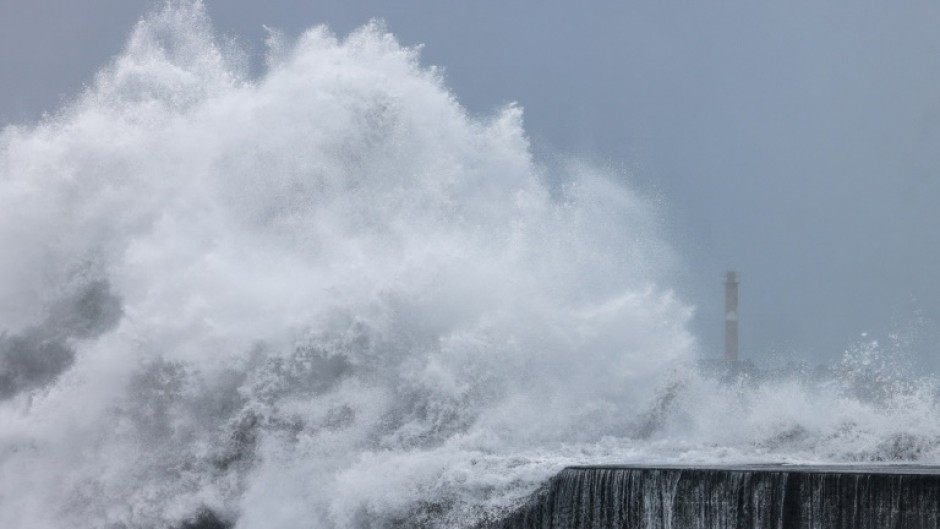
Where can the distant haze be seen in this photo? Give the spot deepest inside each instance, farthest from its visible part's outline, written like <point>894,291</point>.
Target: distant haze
<point>798,144</point>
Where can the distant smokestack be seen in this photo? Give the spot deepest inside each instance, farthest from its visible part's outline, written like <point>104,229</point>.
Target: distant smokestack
<point>731,317</point>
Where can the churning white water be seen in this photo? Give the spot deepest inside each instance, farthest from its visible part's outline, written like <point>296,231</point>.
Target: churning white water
<point>328,297</point>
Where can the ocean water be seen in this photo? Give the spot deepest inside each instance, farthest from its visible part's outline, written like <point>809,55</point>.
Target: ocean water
<point>327,296</point>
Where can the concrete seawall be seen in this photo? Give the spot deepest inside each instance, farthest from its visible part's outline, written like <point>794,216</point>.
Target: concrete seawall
<point>735,497</point>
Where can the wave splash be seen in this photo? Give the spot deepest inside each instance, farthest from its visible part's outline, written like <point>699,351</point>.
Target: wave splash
<point>327,296</point>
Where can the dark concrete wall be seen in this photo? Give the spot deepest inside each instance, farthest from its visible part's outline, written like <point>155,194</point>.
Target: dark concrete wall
<point>760,497</point>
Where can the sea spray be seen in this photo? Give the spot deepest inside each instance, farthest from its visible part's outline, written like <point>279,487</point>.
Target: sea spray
<point>326,296</point>
<point>330,297</point>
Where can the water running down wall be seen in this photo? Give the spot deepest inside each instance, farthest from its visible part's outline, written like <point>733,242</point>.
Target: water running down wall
<point>745,497</point>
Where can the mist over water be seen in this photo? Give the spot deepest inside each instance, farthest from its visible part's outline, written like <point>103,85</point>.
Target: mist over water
<point>326,296</point>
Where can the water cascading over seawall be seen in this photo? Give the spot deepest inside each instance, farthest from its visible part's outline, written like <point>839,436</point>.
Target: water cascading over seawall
<point>741,497</point>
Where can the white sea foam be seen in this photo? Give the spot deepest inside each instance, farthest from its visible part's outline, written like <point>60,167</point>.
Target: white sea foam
<point>326,296</point>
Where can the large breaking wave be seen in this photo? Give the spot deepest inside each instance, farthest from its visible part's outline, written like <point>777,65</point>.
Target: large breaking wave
<point>327,296</point>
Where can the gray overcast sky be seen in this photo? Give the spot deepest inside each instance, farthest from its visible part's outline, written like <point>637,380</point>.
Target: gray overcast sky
<point>796,141</point>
